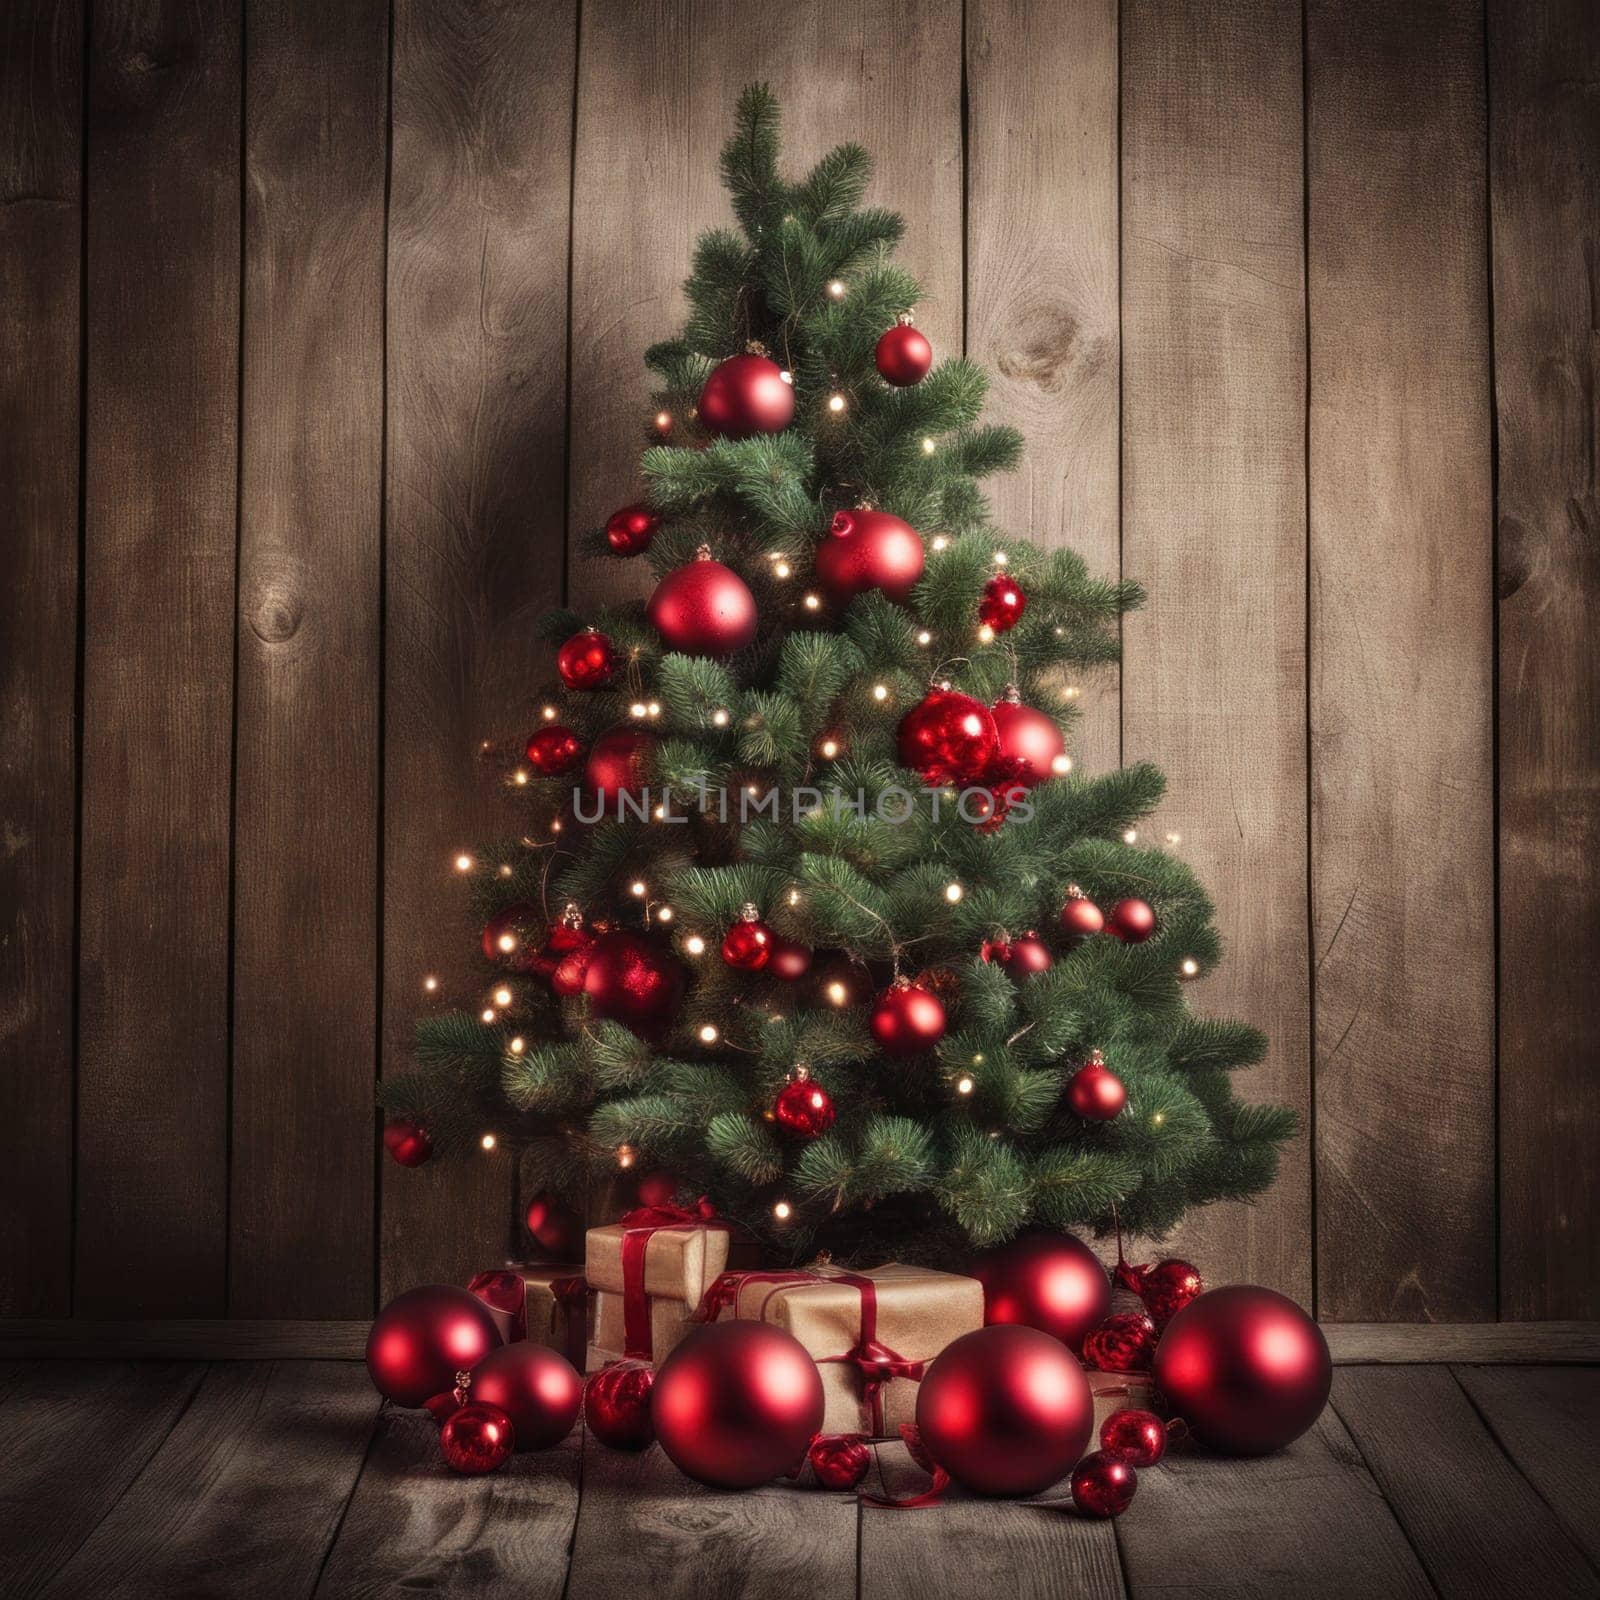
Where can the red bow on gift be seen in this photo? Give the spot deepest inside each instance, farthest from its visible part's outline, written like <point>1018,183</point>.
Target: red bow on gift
<point>640,1226</point>
<point>670,1216</point>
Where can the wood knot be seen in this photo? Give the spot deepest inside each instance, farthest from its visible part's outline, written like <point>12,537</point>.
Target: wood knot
<point>1515,556</point>
<point>275,608</point>
<point>1045,355</point>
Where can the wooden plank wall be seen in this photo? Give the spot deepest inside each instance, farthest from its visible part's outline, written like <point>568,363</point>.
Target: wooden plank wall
<point>319,339</point>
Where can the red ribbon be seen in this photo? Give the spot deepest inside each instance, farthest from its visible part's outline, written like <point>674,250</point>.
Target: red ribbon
<point>571,1296</point>
<point>939,1478</point>
<point>640,1226</point>
<point>506,1291</point>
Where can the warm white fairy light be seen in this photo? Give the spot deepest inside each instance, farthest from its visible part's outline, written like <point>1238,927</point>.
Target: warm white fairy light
<point>751,790</point>
<point>977,1059</point>
<point>828,749</point>
<point>625,1155</point>
<point>653,709</point>
<point>940,542</point>
<point>783,1211</point>
<point>813,602</point>
<point>518,1045</point>
<point>928,447</point>
<point>505,869</point>
<point>719,718</point>
<point>431,984</point>
<point>880,692</point>
<point>963,1085</point>
<point>520,775</point>
<point>637,887</point>
<point>837,993</point>
<point>1130,836</point>
<point>1157,1118</point>
<point>1000,558</point>
<point>1061,765</point>
<point>1174,839</point>
<point>660,813</point>
<point>548,713</point>
<point>636,709</point>
<point>555,827</point>
<point>781,569</point>
<point>695,945</point>
<point>502,997</point>
<point>836,404</point>
<point>488,1141</point>
<point>1189,967</point>
<point>464,863</point>
<point>1070,691</point>
<point>664,913</point>
<point>836,288</point>
<point>786,376</point>
<point>708,1033</point>
<point>488,1014</point>
<point>953,892</point>
<point>924,637</point>
<point>794,897</point>
<point>663,421</point>
<point>986,634</point>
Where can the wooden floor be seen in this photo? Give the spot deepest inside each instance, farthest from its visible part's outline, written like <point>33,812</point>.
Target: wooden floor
<point>287,1478</point>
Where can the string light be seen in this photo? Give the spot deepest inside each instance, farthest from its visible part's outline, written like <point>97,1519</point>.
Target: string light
<point>781,569</point>
<point>986,634</point>
<point>924,637</point>
<point>636,709</point>
<point>794,897</point>
<point>488,1141</point>
<point>488,1014</point>
<point>1157,1118</point>
<point>1174,838</point>
<point>880,692</point>
<point>654,708</point>
<point>940,542</point>
<point>1130,836</point>
<point>625,1155</point>
<point>783,1211</point>
<point>963,1085</point>
<point>838,994</point>
<point>518,1045</point>
<point>977,1059</point>
<point>813,602</point>
<point>1000,558</point>
<point>708,1033</point>
<point>431,984</point>
<point>1070,691</point>
<point>664,913</point>
<point>663,422</point>
<point>928,447</point>
<point>637,887</point>
<point>520,775</point>
<point>836,404</point>
<point>829,748</point>
<point>1061,765</point>
<point>660,813</point>
<point>505,869</point>
<point>953,892</point>
<point>836,288</point>
<point>548,713</point>
<point>695,945</point>
<point>555,827</point>
<point>719,718</point>
<point>1189,967</point>
<point>464,863</point>
<point>502,997</point>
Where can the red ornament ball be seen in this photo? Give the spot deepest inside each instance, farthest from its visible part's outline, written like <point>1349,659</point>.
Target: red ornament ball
<point>407,1141</point>
<point>789,961</point>
<point>1002,604</point>
<point>1246,1368</point>
<point>630,531</point>
<point>420,1341</point>
<point>703,608</point>
<point>1103,1485</point>
<point>803,1108</point>
<point>477,1438</point>
<point>553,750</point>
<point>1028,740</point>
<point>736,1403</point>
<point>907,1020</point>
<point>1019,958</point>
<point>656,1188</point>
<point>904,356</point>
<point>1005,1411</point>
<point>557,1230</point>
<point>1095,1092</point>
<point>1131,921</point>
<point>947,737</point>
<point>588,660</point>
<point>619,763</point>
<point>505,935</point>
<point>616,1405</point>
<point>746,395</point>
<point>1081,918</point>
<point>748,943</point>
<point>867,549</point>
<point>840,1460</point>
<point>566,977</point>
<point>634,981</point>
<point>1124,1342</point>
<point>1166,1288</point>
<point>535,1386</point>
<point>1137,1437</point>
<point>1049,1281</point>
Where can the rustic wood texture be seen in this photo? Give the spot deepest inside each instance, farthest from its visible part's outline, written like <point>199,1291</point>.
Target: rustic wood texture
<point>1544,188</point>
<point>1401,659</point>
<point>478,235</point>
<point>41,143</point>
<point>161,429</point>
<point>1213,506</point>
<point>311,490</point>
<point>1043,312</point>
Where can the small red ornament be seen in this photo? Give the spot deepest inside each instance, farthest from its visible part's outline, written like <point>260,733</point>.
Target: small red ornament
<point>1020,958</point>
<point>1095,1092</point>
<point>904,356</point>
<point>634,981</point>
<point>630,531</point>
<point>947,737</point>
<point>535,1386</point>
<point>1005,1411</point>
<point>619,763</point>
<point>407,1141</point>
<point>656,1188</point>
<point>790,961</point>
<point>1081,918</point>
<point>1028,740</point>
<point>556,1230</point>
<point>803,1108</point>
<point>1166,1288</point>
<point>420,1341</point>
<point>1131,921</point>
<point>477,1439</point>
<point>553,750</point>
<point>1124,1342</point>
<point>703,608</point>
<point>737,1403</point>
<point>907,1019</point>
<point>866,549</point>
<point>749,942</point>
<point>1050,1281</point>
<point>1103,1485</point>
<point>588,660</point>
<point>840,1460</point>
<point>505,935</point>
<point>1002,604</point>
<point>616,1405</point>
<point>1137,1437</point>
<point>746,395</point>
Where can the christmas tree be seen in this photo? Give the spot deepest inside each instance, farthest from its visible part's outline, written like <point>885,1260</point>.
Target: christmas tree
<point>809,910</point>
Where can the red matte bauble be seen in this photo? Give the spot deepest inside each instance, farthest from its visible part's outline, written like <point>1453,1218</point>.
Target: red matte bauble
<point>1166,1288</point>
<point>736,1403</point>
<point>537,1387</point>
<point>947,737</point>
<point>553,750</point>
<point>789,961</point>
<point>616,1405</point>
<point>1002,603</point>
<point>506,935</point>
<point>907,1020</point>
<point>656,1188</point>
<point>1020,958</point>
<point>630,531</point>
<point>1049,1281</point>
<point>1124,1342</point>
<point>1096,1093</point>
<point>866,549</point>
<point>748,944</point>
<point>634,981</point>
<point>703,608</point>
<point>746,395</point>
<point>1028,740</point>
<point>566,978</point>
<point>588,660</point>
<point>1005,1411</point>
<point>420,1341</point>
<point>840,1460</point>
<point>557,1230</point>
<point>903,355</point>
<point>1103,1485</point>
<point>1137,1437</point>
<point>1081,918</point>
<point>477,1438</point>
<point>407,1141</point>
<point>1246,1368</point>
<point>1131,921</point>
<point>803,1108</point>
<point>619,763</point>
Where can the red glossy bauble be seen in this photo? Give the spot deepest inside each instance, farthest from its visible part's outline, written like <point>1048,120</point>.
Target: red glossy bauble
<point>420,1341</point>
<point>407,1141</point>
<point>556,1229</point>
<point>1124,1342</point>
<point>1049,1281</point>
<point>565,953</point>
<point>553,750</point>
<point>1166,1288</point>
<point>616,1405</point>
<point>803,1107</point>
<point>656,1188</point>
<point>1020,958</point>
<point>1028,739</point>
<point>506,935</point>
<point>947,737</point>
<point>1095,1092</point>
<point>1002,604</point>
<point>866,549</point>
<point>748,944</point>
<point>1246,1368</point>
<point>535,1386</point>
<point>1131,921</point>
<point>1103,1485</point>
<point>840,1460</point>
<point>736,1403</point>
<point>1081,918</point>
<point>630,531</point>
<point>1005,1411</point>
<point>903,355</point>
<point>790,961</point>
<point>619,763</point>
<point>566,977</point>
<point>703,608</point>
<point>746,395</point>
<point>477,1438</point>
<point>1137,1437</point>
<point>588,660</point>
<point>907,1020</point>
<point>634,981</point>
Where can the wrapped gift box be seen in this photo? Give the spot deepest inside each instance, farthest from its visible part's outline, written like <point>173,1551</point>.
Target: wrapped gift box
<point>546,1303</point>
<point>1118,1391</point>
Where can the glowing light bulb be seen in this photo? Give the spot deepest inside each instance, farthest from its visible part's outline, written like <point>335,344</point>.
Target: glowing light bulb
<point>1061,765</point>
<point>1071,692</point>
<point>1000,558</point>
<point>505,869</point>
<point>1130,836</point>
<point>488,1013</point>
<point>829,748</point>
<point>502,997</point>
<point>953,892</point>
<point>783,1211</point>
<point>636,709</point>
<point>836,288</point>
<point>625,1155</point>
<point>518,1045</point>
<point>664,913</point>
<point>977,1059</point>
<point>548,713</point>
<point>786,376</point>
<point>719,718</point>
<point>663,422</point>
<point>836,404</point>
<point>508,943</point>
<point>488,1141</point>
<point>555,827</point>
<point>1189,967</point>
<point>928,447</point>
<point>782,569</point>
<point>519,776</point>
<point>837,993</point>
<point>637,887</point>
<point>708,1033</point>
<point>654,708</point>
<point>695,945</point>
<point>1174,838</point>
<point>940,542</point>
<point>963,1085</point>
<point>1157,1118</point>
<point>813,602</point>
<point>923,636</point>
<point>660,813</point>
<point>880,692</point>
<point>986,634</point>
<point>431,983</point>
<point>794,897</point>
<point>463,863</point>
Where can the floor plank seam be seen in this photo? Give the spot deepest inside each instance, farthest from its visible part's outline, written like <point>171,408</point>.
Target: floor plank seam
<point>577,1511</point>
<point>349,1499</point>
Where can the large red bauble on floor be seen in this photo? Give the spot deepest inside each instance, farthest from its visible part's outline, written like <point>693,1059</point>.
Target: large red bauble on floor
<point>477,1439</point>
<point>630,531</point>
<point>588,660</point>
<point>1246,1368</point>
<point>947,737</point>
<point>903,355</point>
<point>865,550</point>
<point>703,608</point>
<point>616,1405</point>
<point>1005,1411</point>
<point>1103,1484</point>
<point>1049,1281</point>
<point>619,763</point>
<point>746,395</point>
<point>736,1403</point>
<point>1027,738</point>
<point>420,1341</point>
<point>634,981</point>
<point>1135,1436</point>
<point>535,1386</point>
<point>907,1020</point>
